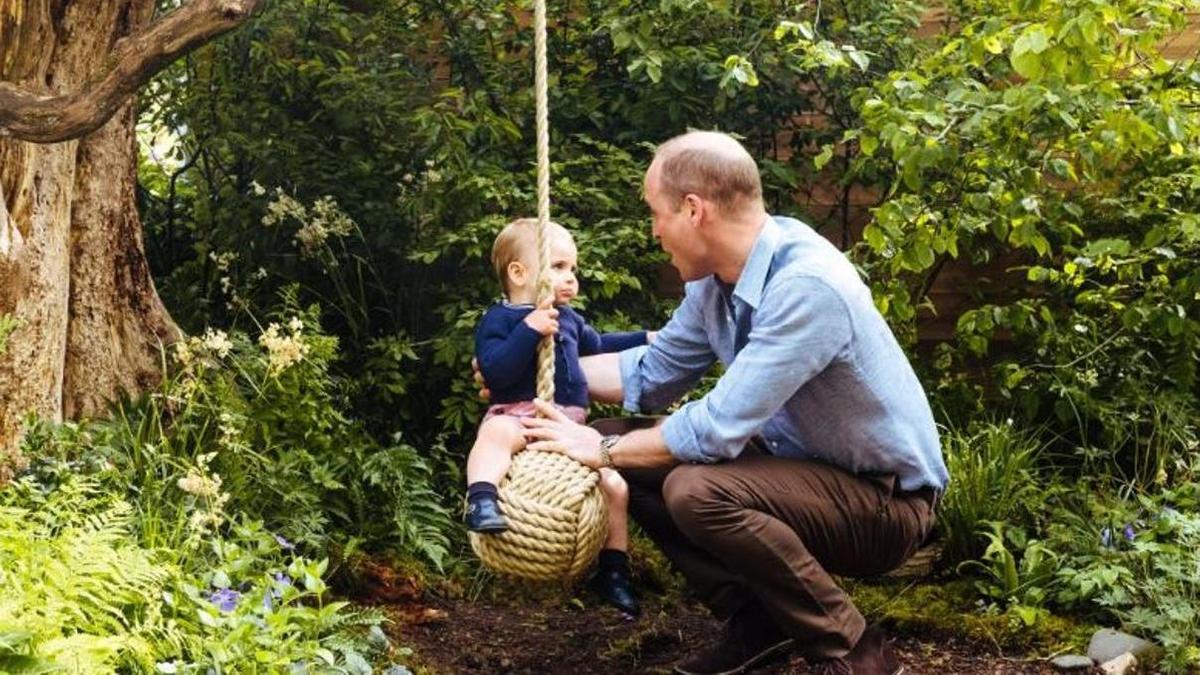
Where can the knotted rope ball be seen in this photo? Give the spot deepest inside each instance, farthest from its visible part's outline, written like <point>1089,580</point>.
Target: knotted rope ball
<point>557,516</point>
<point>557,519</point>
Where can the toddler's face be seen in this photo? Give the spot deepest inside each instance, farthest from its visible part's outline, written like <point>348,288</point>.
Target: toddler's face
<point>563,258</point>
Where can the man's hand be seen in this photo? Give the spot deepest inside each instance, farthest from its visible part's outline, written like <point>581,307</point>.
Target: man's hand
<point>544,319</point>
<point>556,433</point>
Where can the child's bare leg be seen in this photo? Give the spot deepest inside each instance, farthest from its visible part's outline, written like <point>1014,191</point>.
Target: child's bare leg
<point>499,438</point>
<point>612,573</point>
<point>616,493</point>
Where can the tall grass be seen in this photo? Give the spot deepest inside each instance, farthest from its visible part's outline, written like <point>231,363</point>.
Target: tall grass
<point>992,478</point>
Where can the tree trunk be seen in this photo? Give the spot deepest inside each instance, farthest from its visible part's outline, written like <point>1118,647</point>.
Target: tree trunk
<point>90,325</point>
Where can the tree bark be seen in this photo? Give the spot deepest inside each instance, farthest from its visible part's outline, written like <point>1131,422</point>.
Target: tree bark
<point>73,273</point>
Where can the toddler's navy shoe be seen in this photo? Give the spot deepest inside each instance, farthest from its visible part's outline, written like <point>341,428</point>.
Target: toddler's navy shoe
<point>613,586</point>
<point>483,515</point>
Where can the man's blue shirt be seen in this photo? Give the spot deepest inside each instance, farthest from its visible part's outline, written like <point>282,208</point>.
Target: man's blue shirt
<point>506,348</point>
<point>812,367</point>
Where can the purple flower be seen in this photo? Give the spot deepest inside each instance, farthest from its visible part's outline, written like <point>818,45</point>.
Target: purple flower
<point>267,603</point>
<point>283,579</point>
<point>285,544</point>
<point>1129,532</point>
<point>225,599</point>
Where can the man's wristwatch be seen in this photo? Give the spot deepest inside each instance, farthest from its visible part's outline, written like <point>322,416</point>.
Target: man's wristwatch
<point>606,445</point>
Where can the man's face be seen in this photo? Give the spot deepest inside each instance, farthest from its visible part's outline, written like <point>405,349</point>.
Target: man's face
<point>674,229</point>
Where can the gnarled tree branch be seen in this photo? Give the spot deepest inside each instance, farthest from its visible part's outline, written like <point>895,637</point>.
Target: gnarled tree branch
<point>42,118</point>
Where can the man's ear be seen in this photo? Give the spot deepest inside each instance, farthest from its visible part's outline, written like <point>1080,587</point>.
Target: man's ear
<point>695,207</point>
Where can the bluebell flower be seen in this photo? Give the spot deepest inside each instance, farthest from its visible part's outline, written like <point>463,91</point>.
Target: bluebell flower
<point>1106,538</point>
<point>267,603</point>
<point>1129,532</point>
<point>284,543</point>
<point>226,599</point>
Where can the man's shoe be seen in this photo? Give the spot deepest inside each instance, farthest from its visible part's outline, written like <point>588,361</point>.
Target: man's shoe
<point>483,515</point>
<point>750,639</point>
<point>873,655</point>
<point>614,588</point>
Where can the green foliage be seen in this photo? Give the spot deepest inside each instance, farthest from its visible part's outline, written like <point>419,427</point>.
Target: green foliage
<point>416,119</point>
<point>75,588</point>
<point>1082,174</point>
<point>257,428</point>
<point>1164,596</point>
<point>993,469</point>
<point>1135,559</point>
<point>949,609</point>
<point>1022,584</point>
<point>80,592</point>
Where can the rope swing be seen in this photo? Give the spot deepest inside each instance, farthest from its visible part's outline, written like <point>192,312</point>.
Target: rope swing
<point>557,516</point>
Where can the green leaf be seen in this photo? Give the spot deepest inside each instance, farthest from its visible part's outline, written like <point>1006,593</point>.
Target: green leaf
<point>860,59</point>
<point>823,158</point>
<point>1026,56</point>
<point>1061,168</point>
<point>868,144</point>
<point>874,236</point>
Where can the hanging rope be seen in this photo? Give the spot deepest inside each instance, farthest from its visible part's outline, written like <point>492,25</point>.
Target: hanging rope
<point>557,517</point>
<point>545,382</point>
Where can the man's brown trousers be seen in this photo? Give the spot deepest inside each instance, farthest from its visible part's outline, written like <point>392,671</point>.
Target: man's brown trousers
<point>771,530</point>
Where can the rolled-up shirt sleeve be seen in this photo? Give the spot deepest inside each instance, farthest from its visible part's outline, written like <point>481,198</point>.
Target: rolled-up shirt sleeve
<point>799,328</point>
<point>657,375</point>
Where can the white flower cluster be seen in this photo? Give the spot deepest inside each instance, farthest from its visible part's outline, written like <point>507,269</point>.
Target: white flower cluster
<point>200,485</point>
<point>205,485</point>
<point>214,343</point>
<point>431,174</point>
<point>223,260</point>
<point>283,350</point>
<point>231,433</point>
<point>327,219</point>
<point>282,207</point>
<point>323,220</point>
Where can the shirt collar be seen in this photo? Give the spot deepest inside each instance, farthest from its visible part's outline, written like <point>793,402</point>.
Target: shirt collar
<point>753,278</point>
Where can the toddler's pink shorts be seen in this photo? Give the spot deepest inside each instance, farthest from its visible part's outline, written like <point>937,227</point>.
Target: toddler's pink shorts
<point>526,409</point>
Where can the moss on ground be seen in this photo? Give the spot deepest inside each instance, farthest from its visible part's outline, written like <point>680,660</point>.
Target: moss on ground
<point>950,609</point>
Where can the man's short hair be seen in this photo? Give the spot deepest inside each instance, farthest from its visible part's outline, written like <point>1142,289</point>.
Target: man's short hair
<point>710,164</point>
<point>517,242</point>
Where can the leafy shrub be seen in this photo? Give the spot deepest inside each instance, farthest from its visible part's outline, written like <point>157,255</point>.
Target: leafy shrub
<point>79,592</point>
<point>1079,173</point>
<point>993,470</point>
<point>75,588</point>
<point>1136,561</point>
<point>416,119</point>
<point>1019,572</point>
<point>254,427</point>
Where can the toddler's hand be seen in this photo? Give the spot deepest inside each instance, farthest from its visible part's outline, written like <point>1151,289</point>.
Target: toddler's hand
<point>544,319</point>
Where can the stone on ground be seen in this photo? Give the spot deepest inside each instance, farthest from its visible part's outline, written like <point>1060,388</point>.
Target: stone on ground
<point>1072,662</point>
<point>1108,644</point>
<point>1123,664</point>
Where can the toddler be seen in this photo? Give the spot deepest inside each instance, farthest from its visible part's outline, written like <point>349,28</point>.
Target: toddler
<point>506,348</point>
